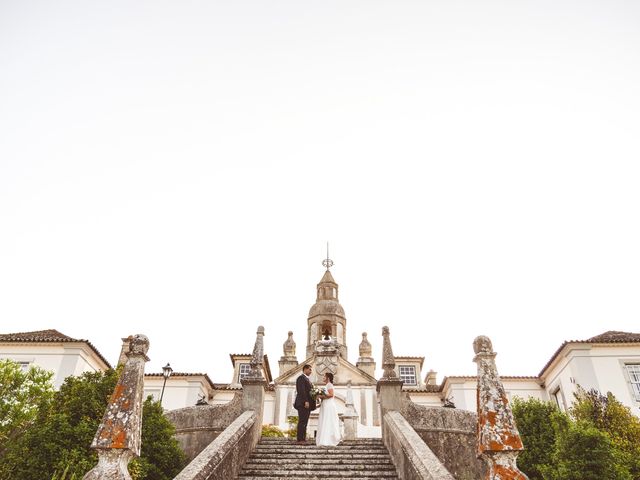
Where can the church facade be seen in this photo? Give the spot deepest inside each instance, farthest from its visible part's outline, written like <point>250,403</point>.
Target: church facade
<point>609,362</point>
<point>326,351</point>
<point>606,362</point>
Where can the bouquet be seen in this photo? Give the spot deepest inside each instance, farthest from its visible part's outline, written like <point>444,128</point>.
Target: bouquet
<point>315,392</point>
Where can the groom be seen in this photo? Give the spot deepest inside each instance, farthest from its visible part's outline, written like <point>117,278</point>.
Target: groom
<point>303,403</point>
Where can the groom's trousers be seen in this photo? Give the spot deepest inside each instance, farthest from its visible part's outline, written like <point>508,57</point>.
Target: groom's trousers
<point>303,420</point>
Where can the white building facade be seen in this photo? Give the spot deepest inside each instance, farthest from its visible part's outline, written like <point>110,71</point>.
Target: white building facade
<point>609,362</point>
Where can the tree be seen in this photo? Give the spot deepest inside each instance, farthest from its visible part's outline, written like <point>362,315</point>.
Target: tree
<point>20,394</point>
<point>535,420</point>
<point>582,452</point>
<point>607,414</point>
<point>161,457</point>
<point>59,440</point>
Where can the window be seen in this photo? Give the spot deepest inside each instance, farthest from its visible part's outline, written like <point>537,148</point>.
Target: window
<point>243,370</point>
<point>634,379</point>
<point>558,398</point>
<point>24,366</point>
<point>408,374</point>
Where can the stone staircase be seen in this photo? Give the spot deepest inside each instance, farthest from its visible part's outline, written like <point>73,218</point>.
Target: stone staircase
<point>362,459</point>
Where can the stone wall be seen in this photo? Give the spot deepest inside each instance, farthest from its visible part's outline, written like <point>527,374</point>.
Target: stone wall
<point>450,434</point>
<point>412,458</point>
<point>223,458</point>
<point>198,426</point>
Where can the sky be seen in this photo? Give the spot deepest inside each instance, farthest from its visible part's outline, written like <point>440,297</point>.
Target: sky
<point>176,169</point>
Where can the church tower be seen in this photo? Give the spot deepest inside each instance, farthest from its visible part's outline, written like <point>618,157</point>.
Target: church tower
<point>326,316</point>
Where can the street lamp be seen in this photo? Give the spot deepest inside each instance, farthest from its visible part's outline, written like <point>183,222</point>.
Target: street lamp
<point>166,373</point>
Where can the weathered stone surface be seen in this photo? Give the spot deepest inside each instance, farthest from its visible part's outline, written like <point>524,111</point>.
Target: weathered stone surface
<point>350,416</point>
<point>197,426</point>
<point>498,440</point>
<point>413,459</point>
<point>257,355</point>
<point>450,434</point>
<point>118,437</point>
<point>289,346</point>
<point>388,360</point>
<point>389,387</point>
<point>223,457</point>
<point>280,458</point>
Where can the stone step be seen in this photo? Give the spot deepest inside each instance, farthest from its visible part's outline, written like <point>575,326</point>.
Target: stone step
<point>293,440</point>
<point>317,474</point>
<point>374,460</point>
<point>326,467</point>
<point>334,457</point>
<point>282,458</point>
<point>314,448</point>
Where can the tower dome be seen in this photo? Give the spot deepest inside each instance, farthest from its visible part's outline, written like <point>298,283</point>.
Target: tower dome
<point>326,316</point>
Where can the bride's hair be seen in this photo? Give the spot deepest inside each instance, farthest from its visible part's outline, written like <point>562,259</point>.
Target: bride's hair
<point>329,376</point>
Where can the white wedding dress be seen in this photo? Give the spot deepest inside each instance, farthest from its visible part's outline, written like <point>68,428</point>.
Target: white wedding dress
<point>329,433</point>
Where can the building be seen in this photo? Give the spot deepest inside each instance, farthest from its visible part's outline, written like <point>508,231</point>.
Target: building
<point>52,351</point>
<point>607,362</point>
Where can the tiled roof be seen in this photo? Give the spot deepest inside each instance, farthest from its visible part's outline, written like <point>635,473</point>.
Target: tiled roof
<point>426,388</point>
<point>508,377</point>
<point>611,336</point>
<point>50,335</point>
<point>182,374</point>
<point>227,386</point>
<point>37,336</point>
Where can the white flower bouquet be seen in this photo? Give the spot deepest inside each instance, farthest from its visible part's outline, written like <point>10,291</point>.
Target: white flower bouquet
<point>316,392</point>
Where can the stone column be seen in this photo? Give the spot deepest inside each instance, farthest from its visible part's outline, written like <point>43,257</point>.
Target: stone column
<point>389,387</point>
<point>253,385</point>
<point>498,440</point>
<point>350,416</point>
<point>119,435</point>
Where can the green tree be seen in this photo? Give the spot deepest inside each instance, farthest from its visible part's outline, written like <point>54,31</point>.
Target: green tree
<point>160,457</point>
<point>20,395</point>
<point>607,414</point>
<point>582,452</point>
<point>59,440</point>
<point>535,420</point>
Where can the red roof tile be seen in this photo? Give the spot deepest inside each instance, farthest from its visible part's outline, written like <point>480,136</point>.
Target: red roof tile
<point>50,335</point>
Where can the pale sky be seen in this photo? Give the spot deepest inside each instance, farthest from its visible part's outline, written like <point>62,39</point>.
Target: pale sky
<point>175,169</point>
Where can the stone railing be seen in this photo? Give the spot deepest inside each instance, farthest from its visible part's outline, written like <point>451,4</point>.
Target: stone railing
<point>225,455</point>
<point>413,459</point>
<point>198,426</point>
<point>443,443</point>
<point>410,454</point>
<point>425,442</point>
<point>223,458</point>
<point>450,434</point>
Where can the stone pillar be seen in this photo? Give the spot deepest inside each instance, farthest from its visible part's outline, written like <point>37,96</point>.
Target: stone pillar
<point>389,387</point>
<point>365,362</point>
<point>350,416</point>
<point>498,440</point>
<point>253,385</point>
<point>119,435</point>
<point>288,359</point>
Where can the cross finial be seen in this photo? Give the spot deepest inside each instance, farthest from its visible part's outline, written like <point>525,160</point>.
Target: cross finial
<point>327,262</point>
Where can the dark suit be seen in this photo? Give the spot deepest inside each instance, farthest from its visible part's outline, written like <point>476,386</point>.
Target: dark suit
<point>303,394</point>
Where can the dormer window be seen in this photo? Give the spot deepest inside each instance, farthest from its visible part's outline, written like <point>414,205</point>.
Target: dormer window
<point>243,370</point>
<point>408,374</point>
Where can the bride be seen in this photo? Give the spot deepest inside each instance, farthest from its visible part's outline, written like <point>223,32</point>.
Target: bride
<point>328,422</point>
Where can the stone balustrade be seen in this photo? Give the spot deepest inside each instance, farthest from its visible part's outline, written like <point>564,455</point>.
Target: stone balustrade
<point>223,458</point>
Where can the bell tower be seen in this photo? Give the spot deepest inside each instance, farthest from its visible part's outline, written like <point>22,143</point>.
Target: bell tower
<point>326,319</point>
